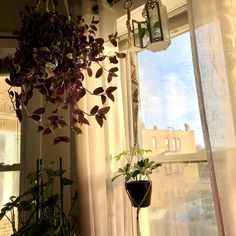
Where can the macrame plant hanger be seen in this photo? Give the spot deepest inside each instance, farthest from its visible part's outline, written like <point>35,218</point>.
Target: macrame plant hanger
<point>134,94</point>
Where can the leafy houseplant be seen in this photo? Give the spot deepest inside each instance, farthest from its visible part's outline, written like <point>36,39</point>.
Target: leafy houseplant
<point>56,55</point>
<point>40,208</point>
<point>137,171</point>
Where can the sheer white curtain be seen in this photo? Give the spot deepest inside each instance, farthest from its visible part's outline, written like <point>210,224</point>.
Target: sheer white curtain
<point>213,29</point>
<point>103,206</point>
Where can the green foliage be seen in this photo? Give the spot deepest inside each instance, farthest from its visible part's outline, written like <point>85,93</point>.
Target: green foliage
<point>136,167</point>
<point>39,208</point>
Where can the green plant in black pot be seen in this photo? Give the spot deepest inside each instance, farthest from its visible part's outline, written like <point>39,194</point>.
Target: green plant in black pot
<point>39,210</point>
<point>137,171</point>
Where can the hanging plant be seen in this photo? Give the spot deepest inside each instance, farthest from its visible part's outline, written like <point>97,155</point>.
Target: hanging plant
<point>56,54</point>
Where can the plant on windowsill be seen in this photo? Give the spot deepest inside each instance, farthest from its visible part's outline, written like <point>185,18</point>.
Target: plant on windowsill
<point>56,56</point>
<point>39,210</point>
<point>137,171</point>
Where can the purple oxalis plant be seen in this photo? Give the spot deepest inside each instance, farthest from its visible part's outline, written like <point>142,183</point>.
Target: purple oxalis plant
<point>55,56</point>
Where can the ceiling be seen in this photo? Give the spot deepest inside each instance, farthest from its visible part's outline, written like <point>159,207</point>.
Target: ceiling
<point>10,19</point>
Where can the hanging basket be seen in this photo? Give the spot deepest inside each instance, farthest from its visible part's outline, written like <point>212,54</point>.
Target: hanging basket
<point>139,192</point>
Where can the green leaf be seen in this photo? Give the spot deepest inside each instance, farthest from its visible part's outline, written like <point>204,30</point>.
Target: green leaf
<point>44,49</point>
<point>156,25</point>
<point>142,32</point>
<point>66,181</point>
<point>69,56</point>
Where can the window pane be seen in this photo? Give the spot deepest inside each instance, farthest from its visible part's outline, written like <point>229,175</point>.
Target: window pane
<point>9,186</point>
<point>182,203</point>
<point>9,128</point>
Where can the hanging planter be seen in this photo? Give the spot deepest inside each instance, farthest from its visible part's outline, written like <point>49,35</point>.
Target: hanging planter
<point>56,55</point>
<point>139,192</point>
<point>137,171</point>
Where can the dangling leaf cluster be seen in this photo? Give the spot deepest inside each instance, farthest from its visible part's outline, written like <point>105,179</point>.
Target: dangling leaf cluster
<point>55,56</point>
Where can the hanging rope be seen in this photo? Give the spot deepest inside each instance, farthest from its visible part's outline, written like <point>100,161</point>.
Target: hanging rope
<point>134,81</point>
<point>137,220</point>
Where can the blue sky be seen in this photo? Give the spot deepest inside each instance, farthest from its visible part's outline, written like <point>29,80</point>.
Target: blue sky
<point>168,93</point>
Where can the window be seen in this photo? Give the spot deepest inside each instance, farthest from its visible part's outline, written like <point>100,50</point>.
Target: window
<point>9,152</point>
<point>167,144</point>
<point>154,142</point>
<point>182,202</point>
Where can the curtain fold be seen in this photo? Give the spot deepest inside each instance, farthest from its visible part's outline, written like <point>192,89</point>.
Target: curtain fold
<point>213,30</point>
<point>103,206</point>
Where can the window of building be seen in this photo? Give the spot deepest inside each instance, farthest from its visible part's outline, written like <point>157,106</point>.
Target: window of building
<point>154,143</point>
<point>167,144</point>
<point>178,145</point>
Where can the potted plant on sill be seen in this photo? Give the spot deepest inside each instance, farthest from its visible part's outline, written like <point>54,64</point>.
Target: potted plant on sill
<point>39,210</point>
<point>137,171</point>
<point>56,55</point>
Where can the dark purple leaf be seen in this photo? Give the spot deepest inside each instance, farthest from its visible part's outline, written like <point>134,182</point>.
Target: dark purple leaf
<point>120,55</point>
<point>98,90</point>
<point>8,82</point>
<point>113,70</point>
<point>36,117</point>
<point>40,111</point>
<point>99,119</point>
<point>40,128</point>
<point>83,120</point>
<point>59,139</point>
<point>93,27</point>
<point>60,91</point>
<point>11,94</point>
<point>89,71</point>
<point>99,72</point>
<point>111,89</point>
<point>62,122</point>
<point>94,110</point>
<point>103,98</point>
<point>103,110</point>
<point>111,96</point>
<point>113,60</point>
<point>113,42</point>
<point>47,131</point>
<point>77,130</point>
<point>109,77</point>
<point>100,41</point>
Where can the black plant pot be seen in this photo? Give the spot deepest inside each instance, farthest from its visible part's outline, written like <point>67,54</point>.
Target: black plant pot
<point>139,192</point>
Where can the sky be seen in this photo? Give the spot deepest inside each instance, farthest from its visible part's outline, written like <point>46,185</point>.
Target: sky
<point>167,88</point>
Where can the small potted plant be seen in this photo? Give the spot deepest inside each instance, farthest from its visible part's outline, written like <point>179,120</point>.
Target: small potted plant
<point>137,171</point>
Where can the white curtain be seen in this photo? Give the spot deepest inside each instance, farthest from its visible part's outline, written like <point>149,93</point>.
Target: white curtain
<point>103,205</point>
<point>213,31</point>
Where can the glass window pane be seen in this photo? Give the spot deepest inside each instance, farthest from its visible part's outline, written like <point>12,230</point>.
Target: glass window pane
<point>181,202</point>
<point>9,186</point>
<point>9,128</point>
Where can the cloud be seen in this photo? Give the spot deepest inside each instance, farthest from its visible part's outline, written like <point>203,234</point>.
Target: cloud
<point>167,84</point>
